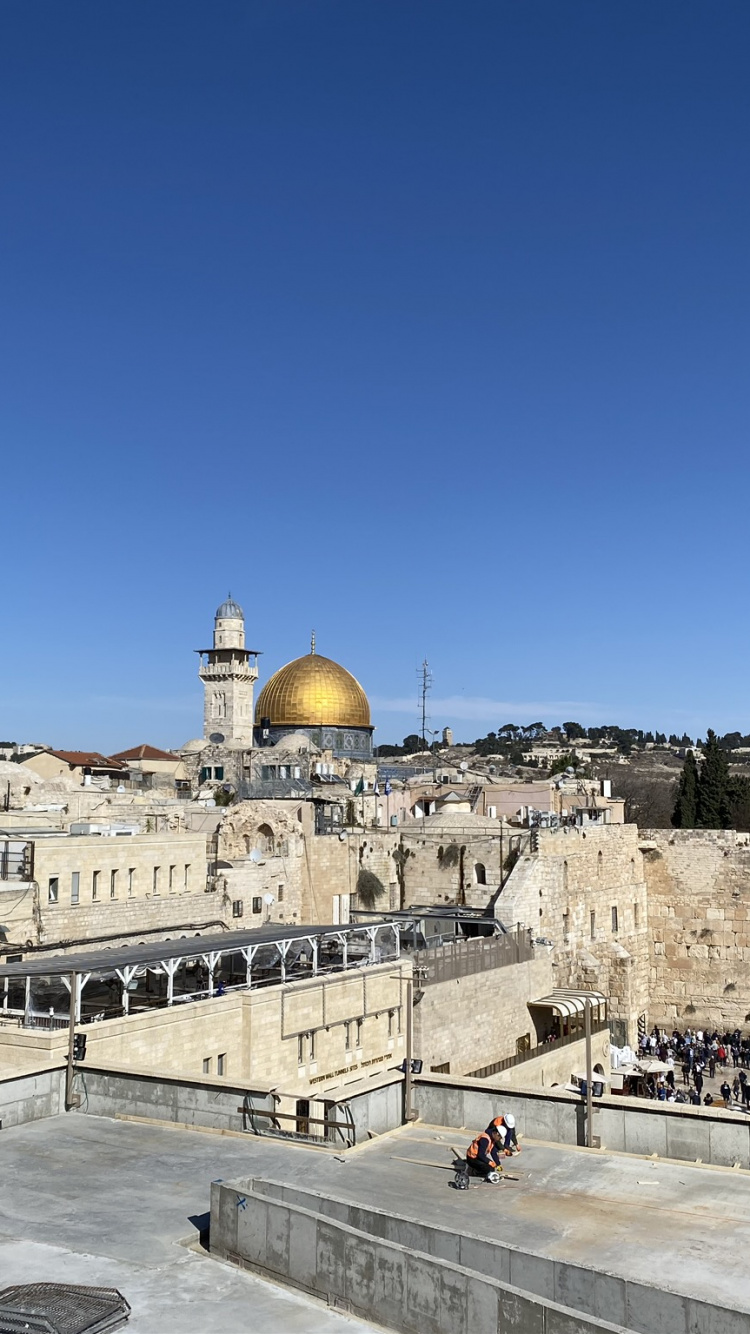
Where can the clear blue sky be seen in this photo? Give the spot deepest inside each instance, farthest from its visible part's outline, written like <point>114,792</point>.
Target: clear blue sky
<point>422,323</point>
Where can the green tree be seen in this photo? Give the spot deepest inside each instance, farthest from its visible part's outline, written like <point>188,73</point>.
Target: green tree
<point>738,801</point>
<point>685,809</point>
<point>712,811</point>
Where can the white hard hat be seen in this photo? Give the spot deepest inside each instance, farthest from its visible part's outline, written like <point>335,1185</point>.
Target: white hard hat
<point>510,1120</point>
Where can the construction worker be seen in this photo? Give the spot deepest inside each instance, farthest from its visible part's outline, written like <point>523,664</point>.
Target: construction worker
<point>483,1155</point>
<point>506,1125</point>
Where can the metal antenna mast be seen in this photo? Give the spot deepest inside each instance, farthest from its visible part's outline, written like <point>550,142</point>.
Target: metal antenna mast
<point>425,685</point>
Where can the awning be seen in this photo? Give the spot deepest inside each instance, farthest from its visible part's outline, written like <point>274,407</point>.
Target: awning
<point>566,1002</point>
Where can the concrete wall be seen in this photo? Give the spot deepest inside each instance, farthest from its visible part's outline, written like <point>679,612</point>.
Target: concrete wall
<point>216,1103</point>
<point>468,1022</point>
<point>592,1294</point>
<point>375,1278</point>
<point>624,1125</point>
<point>699,916</point>
<point>31,1096</point>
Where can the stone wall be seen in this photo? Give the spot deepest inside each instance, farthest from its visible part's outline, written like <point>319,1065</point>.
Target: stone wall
<point>555,1065</point>
<point>585,890</point>
<point>294,1035</point>
<point>124,884</point>
<point>264,845</point>
<point>699,916</point>
<point>469,1022</point>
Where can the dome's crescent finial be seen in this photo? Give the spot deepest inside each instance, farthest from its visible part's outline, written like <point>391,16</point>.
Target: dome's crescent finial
<point>312,642</point>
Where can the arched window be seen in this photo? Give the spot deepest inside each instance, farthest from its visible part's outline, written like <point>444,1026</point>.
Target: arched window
<point>480,874</point>
<point>599,860</point>
<point>265,838</point>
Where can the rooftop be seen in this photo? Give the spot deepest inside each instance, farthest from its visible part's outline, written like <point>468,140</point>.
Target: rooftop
<point>109,1203</point>
<point>139,1189</point>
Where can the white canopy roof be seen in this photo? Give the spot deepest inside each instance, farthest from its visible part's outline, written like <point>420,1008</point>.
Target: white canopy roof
<point>567,1002</point>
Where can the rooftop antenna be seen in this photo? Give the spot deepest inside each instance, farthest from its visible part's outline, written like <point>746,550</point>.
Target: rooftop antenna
<point>424,676</point>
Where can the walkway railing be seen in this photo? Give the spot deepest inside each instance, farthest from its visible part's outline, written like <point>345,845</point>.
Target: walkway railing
<point>576,1036</point>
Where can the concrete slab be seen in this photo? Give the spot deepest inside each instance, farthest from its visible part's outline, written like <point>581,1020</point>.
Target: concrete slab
<point>105,1202</point>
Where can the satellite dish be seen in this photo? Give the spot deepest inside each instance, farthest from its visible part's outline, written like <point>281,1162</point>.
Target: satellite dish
<point>268,899</point>
<point>463,766</point>
<point>217,738</point>
<point>255,856</point>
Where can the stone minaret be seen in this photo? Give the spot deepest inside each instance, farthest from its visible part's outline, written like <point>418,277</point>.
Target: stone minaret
<point>228,672</point>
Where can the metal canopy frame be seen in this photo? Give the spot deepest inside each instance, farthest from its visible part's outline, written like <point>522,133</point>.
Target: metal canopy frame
<point>165,957</point>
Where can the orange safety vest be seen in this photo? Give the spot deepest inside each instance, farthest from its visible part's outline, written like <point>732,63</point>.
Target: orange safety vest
<point>474,1148</point>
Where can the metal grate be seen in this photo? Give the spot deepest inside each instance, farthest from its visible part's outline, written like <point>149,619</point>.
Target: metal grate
<point>61,1308</point>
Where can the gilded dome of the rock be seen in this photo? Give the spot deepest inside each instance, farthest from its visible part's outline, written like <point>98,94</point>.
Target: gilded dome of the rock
<point>313,692</point>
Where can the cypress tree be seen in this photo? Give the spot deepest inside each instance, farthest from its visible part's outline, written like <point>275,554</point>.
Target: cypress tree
<point>713,807</point>
<point>683,816</point>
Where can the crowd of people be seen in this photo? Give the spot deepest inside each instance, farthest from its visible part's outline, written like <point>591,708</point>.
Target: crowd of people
<point>692,1057</point>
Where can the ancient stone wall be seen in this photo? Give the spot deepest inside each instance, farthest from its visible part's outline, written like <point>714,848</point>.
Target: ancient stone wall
<point>584,889</point>
<point>699,916</point>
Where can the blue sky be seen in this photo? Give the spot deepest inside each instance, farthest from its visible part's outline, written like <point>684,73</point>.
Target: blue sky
<point>423,324</point>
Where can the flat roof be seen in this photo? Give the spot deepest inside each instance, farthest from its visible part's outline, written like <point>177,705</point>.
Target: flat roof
<point>139,1188</point>
<point>153,951</point>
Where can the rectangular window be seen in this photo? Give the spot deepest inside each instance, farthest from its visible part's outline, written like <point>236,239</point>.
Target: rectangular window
<point>171,879</point>
<point>635,915</point>
<point>301,1049</point>
<point>131,881</point>
<point>257,905</point>
<point>614,920</point>
<point>207,1065</point>
<point>593,926</point>
<point>75,887</point>
<point>157,869</point>
<point>53,889</point>
<point>347,1037</point>
<point>186,879</point>
<point>390,1023</point>
<point>280,895</point>
<point>237,908</point>
<point>359,1032</point>
<point>219,773</point>
<point>95,885</point>
<point>113,884</point>
<point>221,1064</point>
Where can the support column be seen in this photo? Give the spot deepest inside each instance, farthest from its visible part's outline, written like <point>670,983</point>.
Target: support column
<point>211,961</point>
<point>170,967</point>
<point>27,1000</point>
<point>314,944</point>
<point>126,976</point>
<point>5,993</point>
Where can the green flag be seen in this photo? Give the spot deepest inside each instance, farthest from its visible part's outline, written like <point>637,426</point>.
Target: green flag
<point>359,789</point>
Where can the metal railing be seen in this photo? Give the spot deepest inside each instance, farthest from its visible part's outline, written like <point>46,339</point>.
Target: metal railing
<point>497,1066</point>
<point>477,954</point>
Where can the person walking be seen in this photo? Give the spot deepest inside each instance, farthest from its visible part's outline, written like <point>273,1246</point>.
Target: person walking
<point>698,1081</point>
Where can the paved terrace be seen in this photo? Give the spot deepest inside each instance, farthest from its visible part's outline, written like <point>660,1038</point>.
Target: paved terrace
<point>97,1200</point>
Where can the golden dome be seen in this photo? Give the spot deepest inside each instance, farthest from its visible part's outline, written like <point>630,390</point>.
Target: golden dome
<point>313,692</point>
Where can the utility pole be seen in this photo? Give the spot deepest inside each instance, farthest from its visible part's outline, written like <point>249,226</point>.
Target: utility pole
<point>424,676</point>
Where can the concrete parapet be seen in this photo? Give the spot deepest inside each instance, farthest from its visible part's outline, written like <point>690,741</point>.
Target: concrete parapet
<point>378,1279</point>
<point>595,1297</point>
